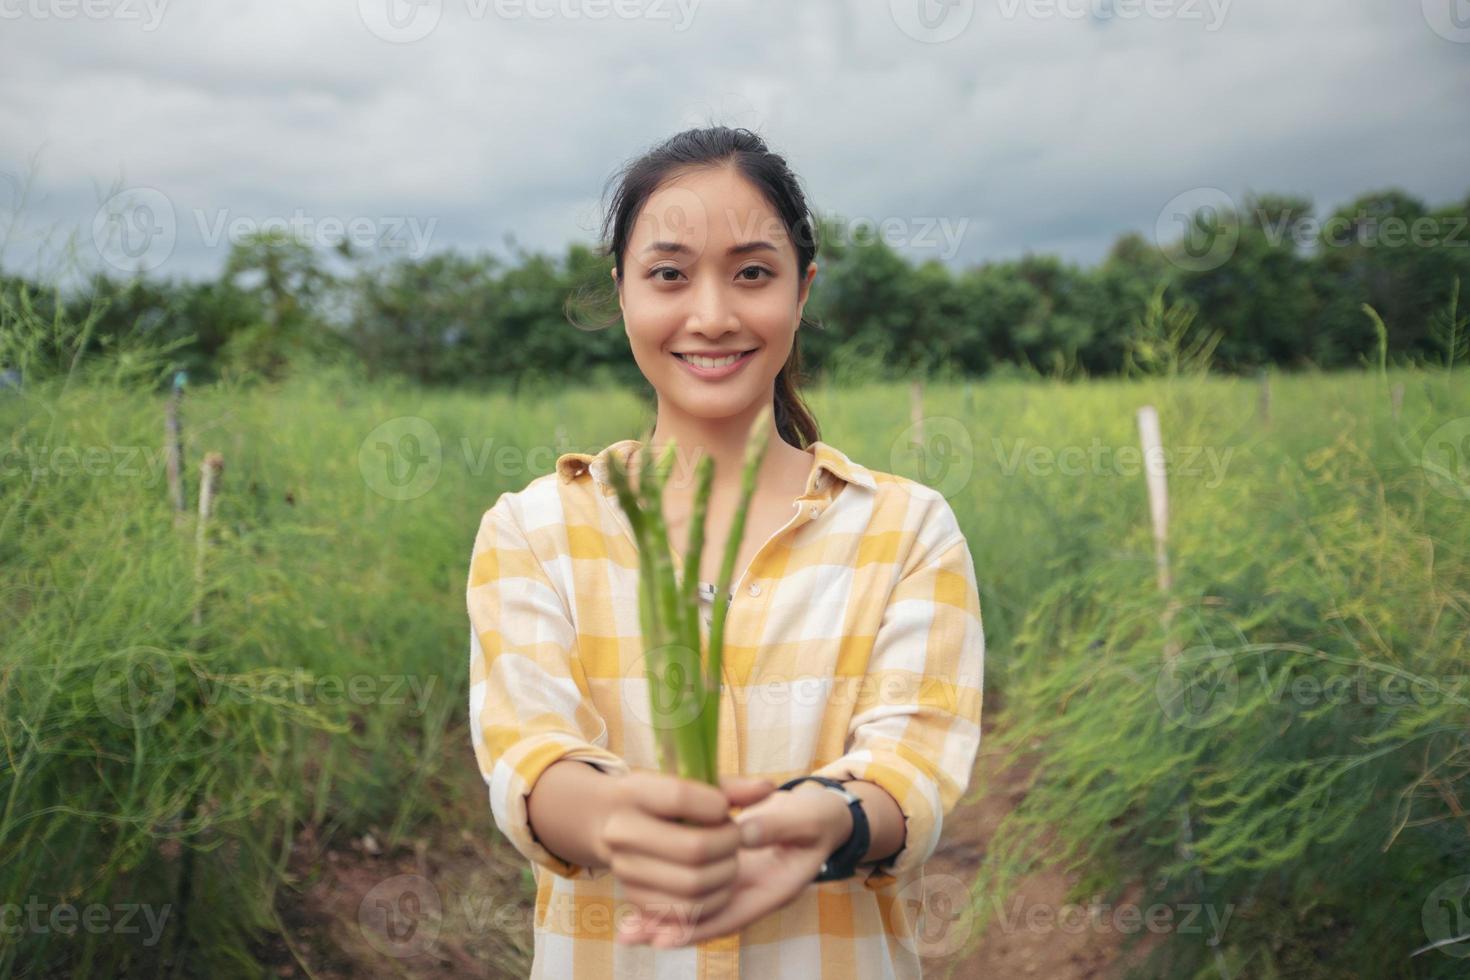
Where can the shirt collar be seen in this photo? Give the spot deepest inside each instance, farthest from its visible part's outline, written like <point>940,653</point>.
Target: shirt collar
<point>831,464</point>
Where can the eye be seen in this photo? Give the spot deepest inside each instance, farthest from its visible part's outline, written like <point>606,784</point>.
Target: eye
<point>755,268</point>
<point>655,273</point>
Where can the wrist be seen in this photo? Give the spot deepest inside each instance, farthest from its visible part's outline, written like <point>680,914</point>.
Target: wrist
<point>835,815</point>
<point>603,803</point>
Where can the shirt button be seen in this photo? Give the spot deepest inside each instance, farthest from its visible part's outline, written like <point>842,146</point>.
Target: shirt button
<point>755,590</point>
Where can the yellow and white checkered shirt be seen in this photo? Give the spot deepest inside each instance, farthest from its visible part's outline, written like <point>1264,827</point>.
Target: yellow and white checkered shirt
<point>853,650</point>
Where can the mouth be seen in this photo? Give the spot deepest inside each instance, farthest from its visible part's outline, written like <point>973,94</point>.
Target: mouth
<point>715,367</point>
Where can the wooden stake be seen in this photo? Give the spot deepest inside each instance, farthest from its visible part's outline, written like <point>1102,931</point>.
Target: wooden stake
<point>1396,396</point>
<point>209,475</point>
<point>1158,506</point>
<point>174,446</point>
<point>1264,408</point>
<point>916,411</point>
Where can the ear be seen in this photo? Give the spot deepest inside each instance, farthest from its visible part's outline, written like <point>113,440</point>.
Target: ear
<point>806,289</point>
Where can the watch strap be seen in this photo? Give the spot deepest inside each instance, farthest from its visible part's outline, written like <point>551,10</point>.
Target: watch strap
<point>843,862</point>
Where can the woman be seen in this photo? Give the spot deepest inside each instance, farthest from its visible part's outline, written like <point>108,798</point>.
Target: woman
<point>854,649</point>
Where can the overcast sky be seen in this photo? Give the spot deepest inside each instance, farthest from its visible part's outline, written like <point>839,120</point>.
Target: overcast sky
<point>973,129</point>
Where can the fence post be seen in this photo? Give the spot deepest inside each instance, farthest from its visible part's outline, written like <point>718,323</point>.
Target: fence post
<point>1263,408</point>
<point>174,446</point>
<point>1158,490</point>
<point>916,411</point>
<point>209,474</point>
<point>1158,505</point>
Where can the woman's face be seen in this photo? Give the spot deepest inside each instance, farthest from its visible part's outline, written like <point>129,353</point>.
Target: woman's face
<point>709,269</point>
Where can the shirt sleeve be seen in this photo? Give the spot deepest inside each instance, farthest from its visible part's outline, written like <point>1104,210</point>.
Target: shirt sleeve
<point>529,703</point>
<point>915,730</point>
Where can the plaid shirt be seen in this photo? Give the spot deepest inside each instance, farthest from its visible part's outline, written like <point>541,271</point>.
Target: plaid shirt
<point>853,650</point>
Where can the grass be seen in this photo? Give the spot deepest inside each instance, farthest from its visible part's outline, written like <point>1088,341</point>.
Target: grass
<point>149,761</point>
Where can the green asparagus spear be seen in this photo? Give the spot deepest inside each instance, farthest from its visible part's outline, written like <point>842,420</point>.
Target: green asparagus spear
<point>684,688</point>
<point>754,451</point>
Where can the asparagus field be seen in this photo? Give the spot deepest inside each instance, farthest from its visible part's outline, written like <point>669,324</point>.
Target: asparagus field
<point>1262,714</point>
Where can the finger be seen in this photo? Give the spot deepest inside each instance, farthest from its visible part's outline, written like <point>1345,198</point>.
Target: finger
<point>638,832</point>
<point>674,798</point>
<point>788,824</point>
<point>773,892</point>
<point>684,881</point>
<point>658,911</point>
<point>745,791</point>
<point>632,929</point>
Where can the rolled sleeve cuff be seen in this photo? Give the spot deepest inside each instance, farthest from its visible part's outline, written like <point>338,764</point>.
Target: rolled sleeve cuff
<point>918,799</point>
<point>514,775</point>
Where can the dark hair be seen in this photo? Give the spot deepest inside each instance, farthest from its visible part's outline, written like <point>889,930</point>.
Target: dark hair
<point>747,153</point>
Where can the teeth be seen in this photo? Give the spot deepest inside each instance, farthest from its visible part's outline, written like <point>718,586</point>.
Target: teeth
<point>711,362</point>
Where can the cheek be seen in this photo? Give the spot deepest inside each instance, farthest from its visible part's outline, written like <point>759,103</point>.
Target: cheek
<point>649,315</point>
<point>771,316</point>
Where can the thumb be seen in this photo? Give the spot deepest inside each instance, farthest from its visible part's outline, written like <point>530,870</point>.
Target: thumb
<point>745,791</point>
<point>788,820</point>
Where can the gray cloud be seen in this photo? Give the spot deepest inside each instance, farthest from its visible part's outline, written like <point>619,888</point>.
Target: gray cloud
<point>1049,133</point>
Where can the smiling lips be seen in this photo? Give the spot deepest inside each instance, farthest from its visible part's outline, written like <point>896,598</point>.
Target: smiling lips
<point>714,367</point>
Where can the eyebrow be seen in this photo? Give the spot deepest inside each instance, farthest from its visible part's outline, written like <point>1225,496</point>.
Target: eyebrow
<point>741,248</point>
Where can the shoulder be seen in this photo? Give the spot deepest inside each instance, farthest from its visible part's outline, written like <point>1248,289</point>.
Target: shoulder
<point>918,517</point>
<point>533,517</point>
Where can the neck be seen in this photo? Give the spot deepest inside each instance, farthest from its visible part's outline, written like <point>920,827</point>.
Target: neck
<point>725,441</point>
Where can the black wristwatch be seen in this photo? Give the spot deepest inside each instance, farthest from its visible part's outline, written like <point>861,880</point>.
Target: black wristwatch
<point>843,862</point>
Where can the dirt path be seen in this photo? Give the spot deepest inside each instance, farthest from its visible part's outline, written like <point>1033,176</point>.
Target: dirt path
<point>457,902</point>
<point>1033,931</point>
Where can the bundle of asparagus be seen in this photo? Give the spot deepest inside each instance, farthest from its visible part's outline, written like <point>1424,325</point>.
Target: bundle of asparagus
<point>683,685</point>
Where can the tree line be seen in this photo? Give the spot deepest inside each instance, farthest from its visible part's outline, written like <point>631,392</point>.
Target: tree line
<point>1267,283</point>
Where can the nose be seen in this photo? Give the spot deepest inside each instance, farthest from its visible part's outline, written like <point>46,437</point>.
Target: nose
<point>712,313</point>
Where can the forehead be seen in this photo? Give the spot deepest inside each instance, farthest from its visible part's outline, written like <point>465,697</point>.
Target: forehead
<point>708,205</point>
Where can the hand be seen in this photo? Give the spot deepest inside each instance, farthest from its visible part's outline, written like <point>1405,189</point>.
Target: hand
<point>672,844</point>
<point>798,830</point>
